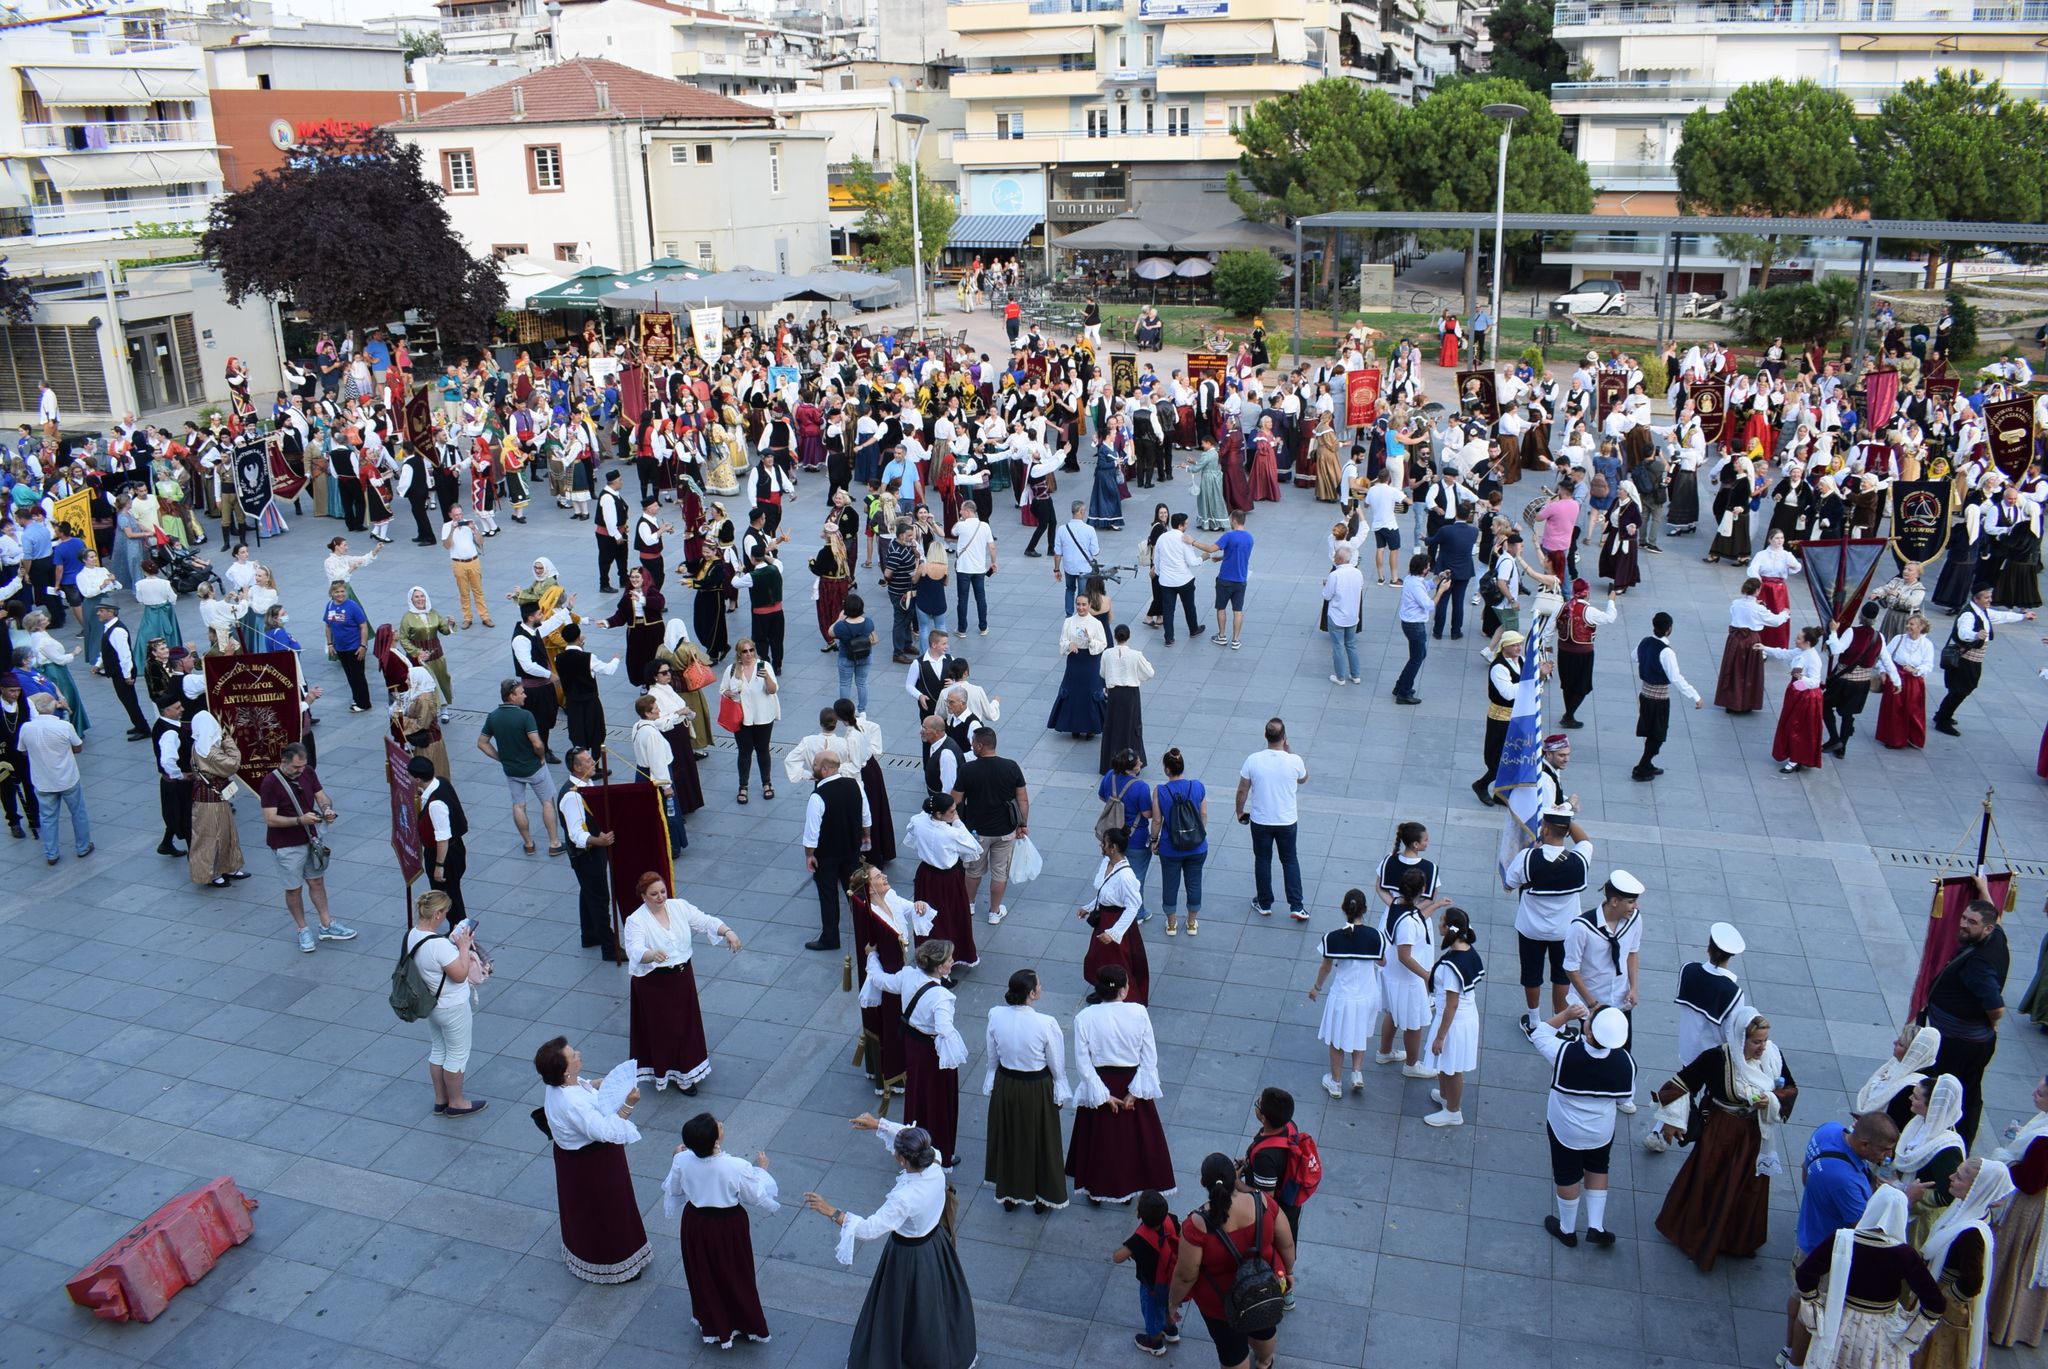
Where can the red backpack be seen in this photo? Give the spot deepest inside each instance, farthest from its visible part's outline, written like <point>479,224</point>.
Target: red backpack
<point>1166,1241</point>
<point>1304,1164</point>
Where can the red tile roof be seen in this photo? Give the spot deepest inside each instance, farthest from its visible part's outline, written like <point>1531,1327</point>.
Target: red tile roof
<point>566,93</point>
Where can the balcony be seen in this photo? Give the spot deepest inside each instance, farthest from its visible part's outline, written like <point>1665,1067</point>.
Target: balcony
<point>1025,83</point>
<point>755,66</point>
<point>995,16</point>
<point>1632,175</point>
<point>1566,96</point>
<point>467,25</point>
<point>1944,15</point>
<point>104,135</point>
<point>1077,145</point>
<point>115,216</point>
<point>1195,75</point>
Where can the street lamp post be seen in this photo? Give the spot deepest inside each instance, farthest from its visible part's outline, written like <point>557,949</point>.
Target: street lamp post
<point>1507,114</point>
<point>916,123</point>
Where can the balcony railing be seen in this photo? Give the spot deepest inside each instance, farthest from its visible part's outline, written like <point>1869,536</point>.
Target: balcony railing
<point>116,216</point>
<point>1024,68</point>
<point>1602,172</point>
<point>1718,90</point>
<point>488,23</point>
<point>94,137</point>
<point>1690,245</point>
<point>1942,13</point>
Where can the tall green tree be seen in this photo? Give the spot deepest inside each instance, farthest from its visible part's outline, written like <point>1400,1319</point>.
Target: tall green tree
<point>1523,49</point>
<point>1784,148</point>
<point>1331,145</point>
<point>1957,147</point>
<point>302,233</point>
<point>1452,158</point>
<point>886,221</point>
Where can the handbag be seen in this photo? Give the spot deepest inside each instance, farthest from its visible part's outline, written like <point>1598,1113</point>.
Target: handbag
<point>732,715</point>
<point>697,675</point>
<point>318,852</point>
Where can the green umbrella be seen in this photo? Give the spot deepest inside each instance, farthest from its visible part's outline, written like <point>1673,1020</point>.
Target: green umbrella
<point>583,290</point>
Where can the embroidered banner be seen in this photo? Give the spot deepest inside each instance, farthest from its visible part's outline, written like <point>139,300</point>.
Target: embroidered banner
<point>253,477</point>
<point>1710,402</point>
<point>255,699</point>
<point>405,813</point>
<point>2009,431</point>
<point>657,336</point>
<point>1123,373</point>
<point>1919,519</point>
<point>1881,395</point>
<point>1484,399</point>
<point>1361,397</point>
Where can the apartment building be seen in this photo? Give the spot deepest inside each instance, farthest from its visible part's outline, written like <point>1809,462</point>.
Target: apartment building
<point>1638,67</point>
<point>1078,110</point>
<point>726,54</point>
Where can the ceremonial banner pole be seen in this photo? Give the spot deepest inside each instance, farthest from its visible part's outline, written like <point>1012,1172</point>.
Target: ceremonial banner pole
<point>1953,893</point>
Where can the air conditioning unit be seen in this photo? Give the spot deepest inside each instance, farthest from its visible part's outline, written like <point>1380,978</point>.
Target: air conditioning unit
<point>1122,96</point>
<point>1148,95</point>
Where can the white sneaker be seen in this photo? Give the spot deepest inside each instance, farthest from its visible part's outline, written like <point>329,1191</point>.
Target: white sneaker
<point>1444,1118</point>
<point>998,913</point>
<point>1655,1142</point>
<point>1336,679</point>
<point>1416,1072</point>
<point>1627,1106</point>
<point>1436,1096</point>
<point>1332,1087</point>
<point>1358,1081</point>
<point>1384,1058</point>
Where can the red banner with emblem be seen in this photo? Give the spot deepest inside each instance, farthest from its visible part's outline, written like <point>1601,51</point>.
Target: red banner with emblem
<point>405,813</point>
<point>255,698</point>
<point>1361,396</point>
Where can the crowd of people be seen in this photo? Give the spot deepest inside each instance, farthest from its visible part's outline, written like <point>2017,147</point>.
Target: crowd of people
<point>866,470</point>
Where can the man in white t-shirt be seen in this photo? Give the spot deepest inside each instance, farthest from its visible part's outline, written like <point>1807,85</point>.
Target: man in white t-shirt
<point>1265,799</point>
<point>1174,558</point>
<point>974,560</point>
<point>1384,504</point>
<point>51,746</point>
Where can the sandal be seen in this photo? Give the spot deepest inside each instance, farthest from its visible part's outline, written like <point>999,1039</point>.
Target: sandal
<point>1172,927</point>
<point>1192,929</point>
<point>767,791</point>
<point>529,847</point>
<point>743,795</point>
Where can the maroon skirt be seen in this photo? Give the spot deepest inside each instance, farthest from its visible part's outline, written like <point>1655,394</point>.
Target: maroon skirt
<point>603,1240</point>
<point>1114,1155</point>
<point>1129,953</point>
<point>667,1028</point>
<point>682,769</point>
<point>831,598</point>
<point>1741,686</point>
<point>882,828</point>
<point>883,1024</point>
<point>1902,717</point>
<point>718,1262</point>
<point>1799,728</point>
<point>1774,595</point>
<point>931,1096</point>
<point>952,915</point>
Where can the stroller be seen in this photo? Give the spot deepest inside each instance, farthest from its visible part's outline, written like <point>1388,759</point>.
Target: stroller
<point>186,570</point>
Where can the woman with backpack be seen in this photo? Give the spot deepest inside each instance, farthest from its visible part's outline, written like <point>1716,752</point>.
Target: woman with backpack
<point>1118,1148</point>
<point>1233,1251</point>
<point>1180,836</point>
<point>446,965</point>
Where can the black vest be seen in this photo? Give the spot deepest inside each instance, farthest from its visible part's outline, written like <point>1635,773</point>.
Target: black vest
<point>1565,875</point>
<point>931,762</point>
<point>1713,996</point>
<point>929,683</point>
<point>458,824</point>
<point>839,830</point>
<point>156,739</point>
<point>539,649</point>
<point>574,669</point>
<point>1585,1075</point>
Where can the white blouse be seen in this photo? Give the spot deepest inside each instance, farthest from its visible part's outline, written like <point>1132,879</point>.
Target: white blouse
<point>94,581</point>
<point>575,1120</point>
<point>1813,671</point>
<point>941,845</point>
<point>239,577</point>
<point>339,567</point>
<point>642,933</point>
<point>1023,1038</point>
<point>933,1014</point>
<point>1774,563</point>
<point>673,712</point>
<point>1125,666</point>
<point>797,764</point>
<point>1747,611</point>
<point>651,751</point>
<point>1118,888</point>
<point>1082,633</point>
<point>1913,655</point>
<point>908,921</point>
<point>50,652</point>
<point>260,600</point>
<point>154,589</point>
<point>1120,1034</point>
<point>913,1207</point>
<point>715,1181</point>
<point>978,701</point>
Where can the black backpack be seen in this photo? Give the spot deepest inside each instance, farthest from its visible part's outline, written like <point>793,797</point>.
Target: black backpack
<point>1253,1300</point>
<point>1184,827</point>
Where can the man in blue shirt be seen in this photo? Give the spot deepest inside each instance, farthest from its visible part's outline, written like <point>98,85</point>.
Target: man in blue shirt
<point>36,555</point>
<point>1481,322</point>
<point>346,625</point>
<point>1452,546</point>
<point>1075,547</point>
<point>1235,548</point>
<point>1838,1187</point>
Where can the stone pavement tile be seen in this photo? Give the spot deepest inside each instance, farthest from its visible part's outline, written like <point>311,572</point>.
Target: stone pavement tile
<point>1417,1342</point>
<point>267,1287</point>
<point>222,1340</point>
<point>537,1286</point>
<point>1425,1233</point>
<point>559,1349</point>
<point>79,1176</point>
<point>1482,1347</point>
<point>1585,1309</point>
<point>487,1340</point>
<point>393,1255</point>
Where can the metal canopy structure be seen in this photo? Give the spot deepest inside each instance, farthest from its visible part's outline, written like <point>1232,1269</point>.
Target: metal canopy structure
<point>1672,228</point>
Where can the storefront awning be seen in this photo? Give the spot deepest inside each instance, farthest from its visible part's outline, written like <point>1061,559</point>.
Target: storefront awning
<point>1219,38</point>
<point>992,232</point>
<point>127,170</point>
<point>72,87</point>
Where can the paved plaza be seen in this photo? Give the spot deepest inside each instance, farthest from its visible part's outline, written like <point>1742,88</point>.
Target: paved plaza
<point>160,1035</point>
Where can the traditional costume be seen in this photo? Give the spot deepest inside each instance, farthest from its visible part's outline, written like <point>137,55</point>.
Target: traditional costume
<point>933,1051</point>
<point>603,1239</point>
<point>893,928</point>
<point>1351,1012</point>
<point>711,1194</point>
<point>1855,1292</point>
<point>940,848</point>
<point>1797,742</point>
<point>1957,1251</point>
<point>1026,1087</point>
<point>1740,686</point>
<point>1113,913</point>
<point>2017,1310</point>
<point>1114,1154</point>
<point>918,1312</point>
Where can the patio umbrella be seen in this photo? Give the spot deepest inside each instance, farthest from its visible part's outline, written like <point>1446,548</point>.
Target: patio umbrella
<point>1242,234</point>
<point>585,289</point>
<point>1124,233</point>
<point>1153,268</point>
<point>1193,268</point>
<point>855,286</point>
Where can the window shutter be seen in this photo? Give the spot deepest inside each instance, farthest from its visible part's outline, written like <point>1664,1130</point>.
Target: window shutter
<point>188,358</point>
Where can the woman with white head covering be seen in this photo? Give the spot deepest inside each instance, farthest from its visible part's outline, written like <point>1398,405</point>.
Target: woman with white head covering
<point>545,577</point>
<point>918,1309</point>
<point>416,714</point>
<point>1957,1252</point>
<point>420,632</point>
<point>1913,1051</point>
<point>1930,1149</point>
<point>1856,1314</point>
<point>1730,1100</point>
<point>1621,542</point>
<point>2017,1311</point>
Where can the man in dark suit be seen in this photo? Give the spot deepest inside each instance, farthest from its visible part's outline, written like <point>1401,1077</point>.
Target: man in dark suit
<point>836,823</point>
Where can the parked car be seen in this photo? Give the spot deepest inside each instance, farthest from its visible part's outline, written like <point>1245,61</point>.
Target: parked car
<point>1590,297</point>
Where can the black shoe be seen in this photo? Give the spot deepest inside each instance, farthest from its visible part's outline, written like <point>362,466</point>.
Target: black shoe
<point>1570,724</point>
<point>1642,776</point>
<point>690,1090</point>
<point>1485,796</point>
<point>1568,1239</point>
<point>553,759</point>
<point>1407,699</point>
<point>168,848</point>
<point>822,945</point>
<point>606,589</point>
<point>1603,1239</point>
<point>1034,555</point>
<point>1948,729</point>
<point>138,734</point>
<point>14,830</point>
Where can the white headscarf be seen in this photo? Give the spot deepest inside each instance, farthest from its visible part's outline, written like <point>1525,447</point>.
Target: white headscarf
<point>1972,1211</point>
<point>547,569</point>
<point>1923,1138</point>
<point>1884,1220</point>
<point>1757,1079</point>
<point>674,635</point>
<point>419,683</point>
<point>1894,1076</point>
<point>425,608</point>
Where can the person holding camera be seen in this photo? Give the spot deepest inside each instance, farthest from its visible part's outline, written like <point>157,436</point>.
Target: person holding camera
<point>294,807</point>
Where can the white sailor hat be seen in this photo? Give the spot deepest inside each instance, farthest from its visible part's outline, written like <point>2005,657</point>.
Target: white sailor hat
<point>1626,884</point>
<point>1559,813</point>
<point>1609,1028</point>
<point>1723,936</point>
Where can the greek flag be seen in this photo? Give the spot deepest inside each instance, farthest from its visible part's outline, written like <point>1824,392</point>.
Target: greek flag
<point>1514,782</point>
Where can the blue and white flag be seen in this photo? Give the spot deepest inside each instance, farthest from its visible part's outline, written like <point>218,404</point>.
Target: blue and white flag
<point>1521,755</point>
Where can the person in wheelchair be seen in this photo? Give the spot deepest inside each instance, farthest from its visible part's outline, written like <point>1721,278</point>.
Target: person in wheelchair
<point>1151,329</point>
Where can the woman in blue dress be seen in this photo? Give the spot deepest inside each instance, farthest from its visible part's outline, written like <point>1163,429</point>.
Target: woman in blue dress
<point>1106,500</point>
<point>1078,711</point>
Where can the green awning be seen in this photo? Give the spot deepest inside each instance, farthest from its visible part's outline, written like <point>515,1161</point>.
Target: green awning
<point>582,290</point>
